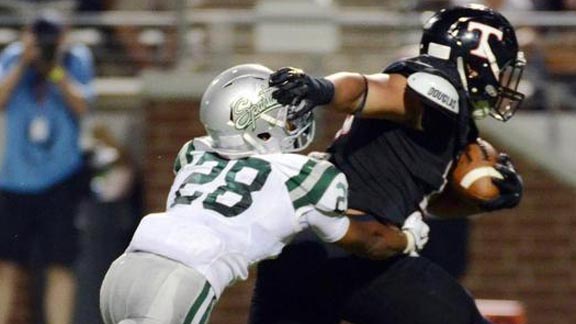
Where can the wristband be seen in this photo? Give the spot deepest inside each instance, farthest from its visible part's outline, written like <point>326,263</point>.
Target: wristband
<point>57,74</point>
<point>358,110</point>
<point>410,242</point>
<point>325,89</point>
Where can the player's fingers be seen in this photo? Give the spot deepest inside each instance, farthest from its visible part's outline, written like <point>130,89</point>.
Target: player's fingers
<point>290,85</point>
<point>279,77</point>
<point>504,169</point>
<point>278,95</point>
<point>300,91</point>
<point>297,100</point>
<point>296,112</point>
<point>503,186</point>
<point>292,113</point>
<point>308,106</point>
<point>503,156</point>
<point>283,75</point>
<point>283,97</point>
<point>293,93</point>
<point>510,183</point>
<point>504,159</point>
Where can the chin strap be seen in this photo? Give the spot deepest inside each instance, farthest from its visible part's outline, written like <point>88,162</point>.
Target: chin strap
<point>462,72</point>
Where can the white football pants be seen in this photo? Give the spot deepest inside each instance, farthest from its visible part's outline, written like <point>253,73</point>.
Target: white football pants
<point>144,288</point>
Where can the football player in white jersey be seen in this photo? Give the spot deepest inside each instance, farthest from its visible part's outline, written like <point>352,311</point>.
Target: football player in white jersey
<point>238,197</point>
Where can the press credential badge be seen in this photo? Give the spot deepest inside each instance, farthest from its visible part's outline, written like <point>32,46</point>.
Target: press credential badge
<point>39,131</point>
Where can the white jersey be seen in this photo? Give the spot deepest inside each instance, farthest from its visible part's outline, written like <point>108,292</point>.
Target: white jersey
<point>224,215</point>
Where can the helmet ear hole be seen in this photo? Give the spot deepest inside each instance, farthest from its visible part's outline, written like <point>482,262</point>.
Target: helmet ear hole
<point>264,136</point>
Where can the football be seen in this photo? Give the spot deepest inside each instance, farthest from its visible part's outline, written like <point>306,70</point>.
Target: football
<point>474,170</point>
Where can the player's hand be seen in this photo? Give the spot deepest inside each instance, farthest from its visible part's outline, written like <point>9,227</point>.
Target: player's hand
<point>300,91</point>
<point>511,186</point>
<point>416,232</point>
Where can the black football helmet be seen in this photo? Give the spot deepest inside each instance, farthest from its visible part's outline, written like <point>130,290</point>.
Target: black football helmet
<point>483,45</point>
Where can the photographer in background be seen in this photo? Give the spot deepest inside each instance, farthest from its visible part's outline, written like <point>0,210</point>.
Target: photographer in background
<point>45,88</point>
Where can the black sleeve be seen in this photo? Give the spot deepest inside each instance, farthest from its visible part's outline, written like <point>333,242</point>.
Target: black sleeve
<point>436,121</point>
<point>473,132</point>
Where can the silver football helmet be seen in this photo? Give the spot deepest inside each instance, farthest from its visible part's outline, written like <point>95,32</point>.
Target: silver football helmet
<point>241,117</point>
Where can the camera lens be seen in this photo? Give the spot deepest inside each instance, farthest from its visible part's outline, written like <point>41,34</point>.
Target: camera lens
<point>47,28</point>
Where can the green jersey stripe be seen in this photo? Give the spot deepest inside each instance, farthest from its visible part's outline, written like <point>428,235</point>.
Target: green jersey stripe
<point>316,193</point>
<point>197,303</point>
<point>208,311</point>
<point>310,181</point>
<point>177,164</point>
<point>297,180</point>
<point>184,156</point>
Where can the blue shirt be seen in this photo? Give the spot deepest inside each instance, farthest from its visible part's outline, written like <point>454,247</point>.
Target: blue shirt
<point>31,165</point>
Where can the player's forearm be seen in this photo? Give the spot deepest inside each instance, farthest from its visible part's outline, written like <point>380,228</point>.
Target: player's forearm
<point>377,95</point>
<point>373,240</point>
<point>349,89</point>
<point>448,205</point>
<point>387,241</point>
<point>73,94</point>
<point>9,82</point>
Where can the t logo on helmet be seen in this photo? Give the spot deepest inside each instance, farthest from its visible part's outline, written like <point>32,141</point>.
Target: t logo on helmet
<point>483,49</point>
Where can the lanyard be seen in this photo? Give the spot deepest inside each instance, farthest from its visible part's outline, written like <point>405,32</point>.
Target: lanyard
<point>39,127</point>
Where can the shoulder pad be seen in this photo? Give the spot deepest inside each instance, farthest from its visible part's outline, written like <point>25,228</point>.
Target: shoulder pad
<point>407,67</point>
<point>435,89</point>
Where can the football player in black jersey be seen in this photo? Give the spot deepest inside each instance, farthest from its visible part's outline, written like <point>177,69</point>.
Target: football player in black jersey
<point>406,127</point>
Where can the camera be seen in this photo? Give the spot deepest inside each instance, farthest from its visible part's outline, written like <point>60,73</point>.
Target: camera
<point>47,28</point>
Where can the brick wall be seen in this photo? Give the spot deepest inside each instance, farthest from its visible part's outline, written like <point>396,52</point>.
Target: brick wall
<point>526,254</point>
<point>529,253</point>
<point>168,125</point>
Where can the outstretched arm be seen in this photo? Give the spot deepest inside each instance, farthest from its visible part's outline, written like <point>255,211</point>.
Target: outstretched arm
<point>449,205</point>
<point>377,95</point>
<point>372,239</point>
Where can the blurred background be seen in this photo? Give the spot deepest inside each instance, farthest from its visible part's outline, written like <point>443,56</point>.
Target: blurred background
<point>154,58</point>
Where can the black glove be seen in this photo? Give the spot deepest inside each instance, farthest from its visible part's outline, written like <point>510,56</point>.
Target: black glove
<point>300,91</point>
<point>511,186</point>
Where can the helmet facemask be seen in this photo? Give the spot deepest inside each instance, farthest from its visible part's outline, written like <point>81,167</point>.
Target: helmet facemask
<point>272,132</point>
<point>509,98</point>
<point>300,131</point>
<point>500,99</point>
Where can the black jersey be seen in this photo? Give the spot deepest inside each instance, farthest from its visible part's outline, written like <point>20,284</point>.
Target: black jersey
<point>391,168</point>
